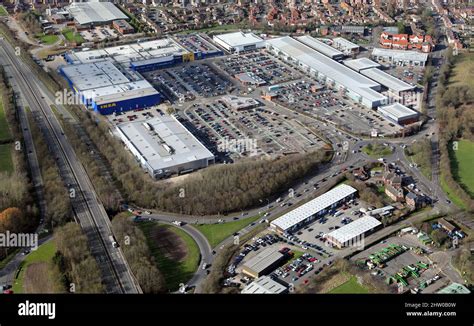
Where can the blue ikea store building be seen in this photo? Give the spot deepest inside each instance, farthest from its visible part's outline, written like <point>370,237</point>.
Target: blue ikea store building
<point>111,98</point>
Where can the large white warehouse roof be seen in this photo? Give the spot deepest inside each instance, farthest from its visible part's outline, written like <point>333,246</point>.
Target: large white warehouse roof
<point>397,111</point>
<point>164,142</point>
<point>264,285</point>
<point>314,206</point>
<point>392,83</point>
<point>354,229</point>
<point>320,46</point>
<point>165,47</point>
<point>403,55</point>
<point>238,39</point>
<point>95,12</point>
<point>333,70</point>
<point>103,82</point>
<point>361,64</point>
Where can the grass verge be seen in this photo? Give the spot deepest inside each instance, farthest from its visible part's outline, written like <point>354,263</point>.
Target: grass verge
<point>216,233</point>
<point>44,254</point>
<point>6,161</point>
<point>176,269</point>
<point>352,286</point>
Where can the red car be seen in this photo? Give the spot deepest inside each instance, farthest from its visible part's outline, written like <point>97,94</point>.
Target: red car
<point>9,291</point>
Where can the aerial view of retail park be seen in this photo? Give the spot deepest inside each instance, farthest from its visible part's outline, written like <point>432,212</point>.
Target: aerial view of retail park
<point>236,147</point>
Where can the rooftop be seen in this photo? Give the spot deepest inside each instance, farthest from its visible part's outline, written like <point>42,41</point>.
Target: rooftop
<point>332,69</point>
<point>354,229</point>
<point>238,38</point>
<point>320,46</point>
<point>131,52</point>
<point>264,285</point>
<point>263,259</point>
<point>95,12</point>
<point>165,144</point>
<point>387,80</point>
<point>239,102</point>
<point>103,82</point>
<point>397,110</point>
<point>345,43</point>
<point>401,54</point>
<point>361,63</point>
<point>314,206</point>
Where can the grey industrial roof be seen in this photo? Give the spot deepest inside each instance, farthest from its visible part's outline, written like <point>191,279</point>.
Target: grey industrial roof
<point>165,47</point>
<point>401,54</point>
<point>354,229</point>
<point>320,46</point>
<point>331,69</point>
<point>387,80</point>
<point>264,285</point>
<point>238,39</point>
<point>314,206</point>
<point>103,82</point>
<point>345,43</point>
<point>264,259</point>
<point>353,28</point>
<point>361,64</point>
<point>240,102</point>
<point>166,131</point>
<point>95,12</point>
<point>381,210</point>
<point>397,111</point>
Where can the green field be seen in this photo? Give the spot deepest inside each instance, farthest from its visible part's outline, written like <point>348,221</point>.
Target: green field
<point>463,71</point>
<point>175,272</point>
<point>4,129</point>
<point>3,11</point>
<point>350,287</point>
<point>376,150</point>
<point>44,253</point>
<point>216,233</point>
<point>72,36</point>
<point>462,163</point>
<point>6,162</point>
<point>48,39</point>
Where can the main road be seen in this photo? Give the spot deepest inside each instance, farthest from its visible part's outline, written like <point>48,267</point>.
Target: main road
<point>88,210</point>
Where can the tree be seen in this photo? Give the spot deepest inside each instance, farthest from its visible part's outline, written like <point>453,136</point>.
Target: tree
<point>75,261</point>
<point>439,237</point>
<point>11,220</point>
<point>401,27</point>
<point>138,255</point>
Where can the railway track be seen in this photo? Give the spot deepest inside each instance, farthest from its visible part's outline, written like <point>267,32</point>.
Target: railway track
<point>116,274</point>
